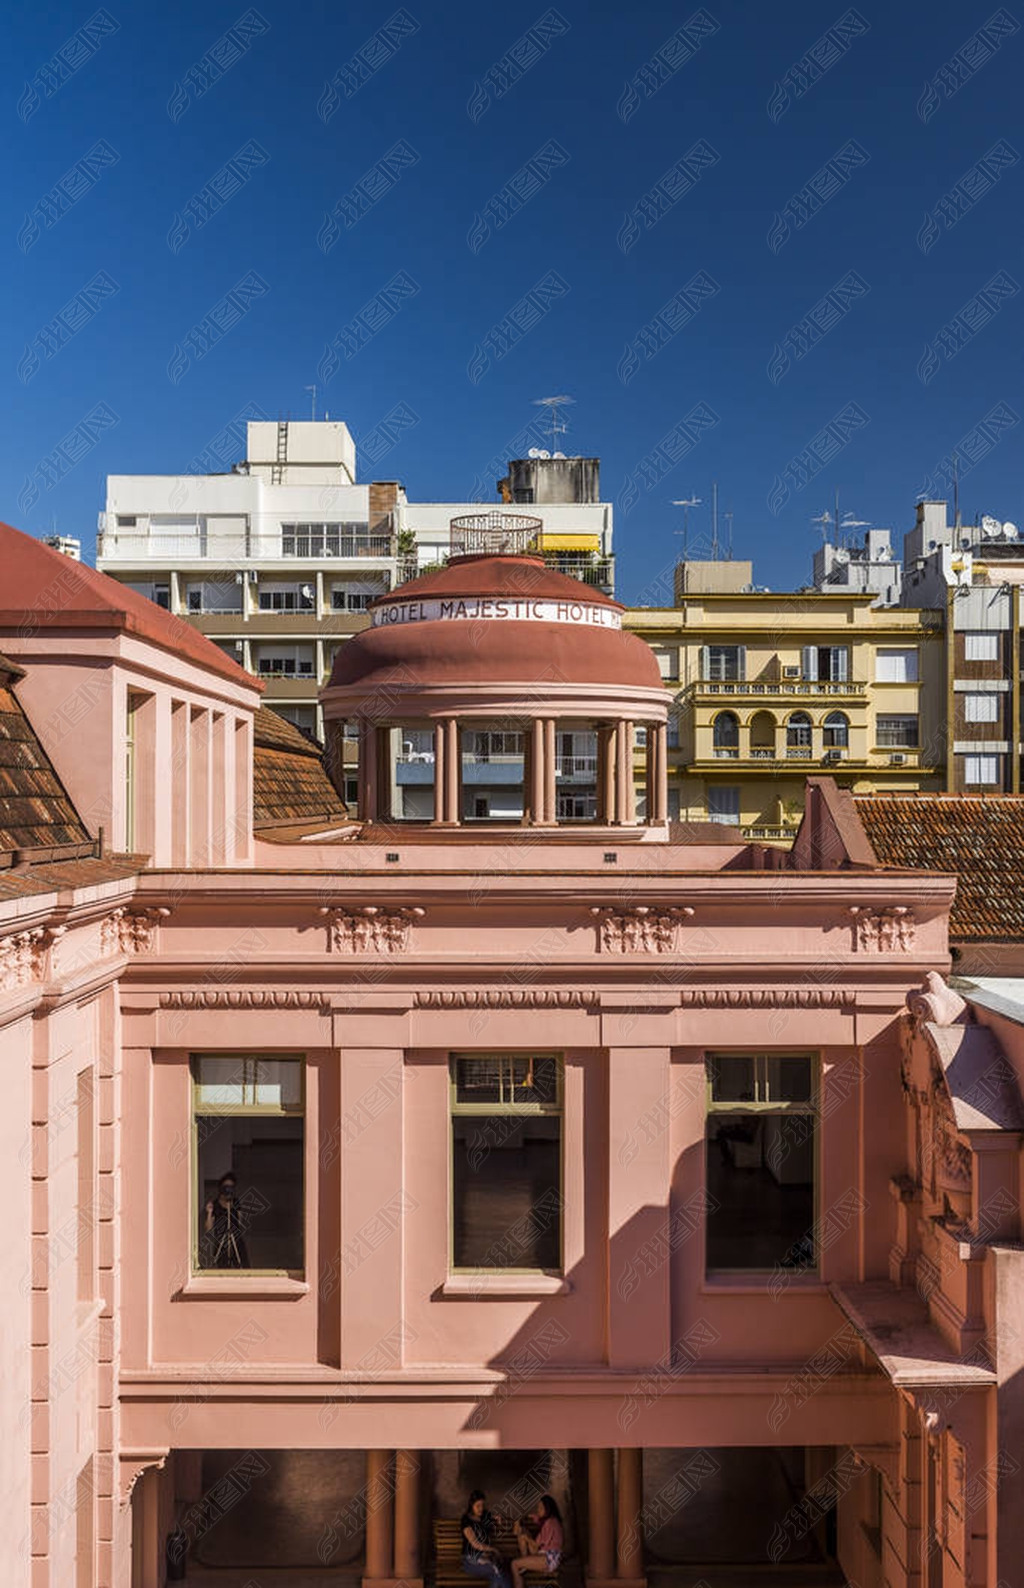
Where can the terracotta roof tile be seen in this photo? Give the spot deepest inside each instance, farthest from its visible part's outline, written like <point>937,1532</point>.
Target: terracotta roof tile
<point>289,781</point>
<point>35,811</point>
<point>979,837</point>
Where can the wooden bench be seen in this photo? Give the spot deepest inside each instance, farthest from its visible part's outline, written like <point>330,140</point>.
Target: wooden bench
<point>448,1572</point>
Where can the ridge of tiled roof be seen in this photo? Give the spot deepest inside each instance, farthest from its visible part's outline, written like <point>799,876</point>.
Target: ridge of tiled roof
<point>275,731</point>
<point>44,589</point>
<point>289,781</point>
<point>35,810</point>
<point>980,837</point>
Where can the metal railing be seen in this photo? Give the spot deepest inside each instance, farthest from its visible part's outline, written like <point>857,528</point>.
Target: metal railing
<point>225,550</point>
<point>723,752</point>
<point>787,686</point>
<point>573,765</point>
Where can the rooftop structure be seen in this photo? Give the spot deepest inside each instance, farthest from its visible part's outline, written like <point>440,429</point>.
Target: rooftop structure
<point>867,565</point>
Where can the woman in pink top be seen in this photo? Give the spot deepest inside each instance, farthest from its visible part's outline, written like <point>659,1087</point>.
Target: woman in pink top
<point>542,1552</point>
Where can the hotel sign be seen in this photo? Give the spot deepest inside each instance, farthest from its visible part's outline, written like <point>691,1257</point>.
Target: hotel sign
<point>515,609</point>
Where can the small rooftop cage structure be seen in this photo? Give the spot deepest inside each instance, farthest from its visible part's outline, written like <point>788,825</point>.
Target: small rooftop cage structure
<point>494,532</point>
<point>498,691</point>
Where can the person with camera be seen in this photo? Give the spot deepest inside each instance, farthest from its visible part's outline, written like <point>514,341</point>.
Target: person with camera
<point>223,1241</point>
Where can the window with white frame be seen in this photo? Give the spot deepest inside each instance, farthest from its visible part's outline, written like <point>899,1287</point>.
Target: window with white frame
<point>506,1133</point>
<point>896,666</point>
<point>724,805</point>
<point>981,708</point>
<point>214,595</point>
<point>357,594</point>
<point>287,597</point>
<point>668,662</point>
<point>894,732</point>
<point>982,770</point>
<point>285,661</point>
<point>248,1162</point>
<point>761,1143</point>
<point>723,663</point>
<point>981,646</point>
<point>829,663</point>
<point>332,540</point>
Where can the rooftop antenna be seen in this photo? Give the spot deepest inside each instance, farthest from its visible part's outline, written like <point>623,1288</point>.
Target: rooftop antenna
<point>686,502</point>
<point>554,406</point>
<point>312,390</point>
<point>956,489</point>
<point>728,518</point>
<point>824,519</point>
<point>714,521</point>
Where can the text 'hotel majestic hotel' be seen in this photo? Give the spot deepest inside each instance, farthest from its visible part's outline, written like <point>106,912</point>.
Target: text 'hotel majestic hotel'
<point>353,1160</point>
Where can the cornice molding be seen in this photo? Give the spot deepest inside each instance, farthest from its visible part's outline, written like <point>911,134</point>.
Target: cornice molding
<point>766,998</point>
<point>506,998</point>
<point>244,998</point>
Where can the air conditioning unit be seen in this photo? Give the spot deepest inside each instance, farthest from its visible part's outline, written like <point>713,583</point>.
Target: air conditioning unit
<point>835,754</point>
<point>791,672</point>
<point>239,645</point>
<point>897,760</point>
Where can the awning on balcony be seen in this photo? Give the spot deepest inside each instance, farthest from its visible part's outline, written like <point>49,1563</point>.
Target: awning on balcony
<point>569,542</point>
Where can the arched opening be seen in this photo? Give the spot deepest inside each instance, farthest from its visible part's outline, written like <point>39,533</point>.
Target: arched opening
<point>726,732</point>
<point>798,736</point>
<point>836,731</point>
<point>762,736</point>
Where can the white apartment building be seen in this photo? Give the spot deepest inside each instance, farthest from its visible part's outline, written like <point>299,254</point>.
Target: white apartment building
<point>275,561</point>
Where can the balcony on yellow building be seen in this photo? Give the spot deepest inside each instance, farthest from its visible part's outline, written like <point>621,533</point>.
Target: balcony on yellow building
<point>775,689</point>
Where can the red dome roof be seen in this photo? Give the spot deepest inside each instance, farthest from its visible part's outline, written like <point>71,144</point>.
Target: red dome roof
<point>495,648</point>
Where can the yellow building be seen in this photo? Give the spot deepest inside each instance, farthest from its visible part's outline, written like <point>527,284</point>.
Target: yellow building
<point>770,687</point>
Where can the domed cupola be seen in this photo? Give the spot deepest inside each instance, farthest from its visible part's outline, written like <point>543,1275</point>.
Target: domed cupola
<point>498,691</point>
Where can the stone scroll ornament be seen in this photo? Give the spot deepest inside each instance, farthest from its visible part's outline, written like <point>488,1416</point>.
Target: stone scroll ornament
<point>130,931</point>
<point>643,929</point>
<point>370,929</point>
<point>882,930</point>
<point>23,956</point>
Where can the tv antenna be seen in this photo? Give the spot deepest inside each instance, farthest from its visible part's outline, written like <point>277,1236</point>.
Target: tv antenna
<point>686,502</point>
<point>728,518</point>
<point>312,390</point>
<point>554,406</point>
<point>841,525</point>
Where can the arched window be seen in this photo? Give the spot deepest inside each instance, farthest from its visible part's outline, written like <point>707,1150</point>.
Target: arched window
<point>798,731</point>
<point>726,733</point>
<point>836,735</point>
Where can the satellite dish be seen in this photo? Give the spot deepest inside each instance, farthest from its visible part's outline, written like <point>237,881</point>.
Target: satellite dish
<point>991,525</point>
<point>543,454</point>
<point>534,452</point>
<point>306,591</point>
<point>1010,531</point>
<point>558,454</point>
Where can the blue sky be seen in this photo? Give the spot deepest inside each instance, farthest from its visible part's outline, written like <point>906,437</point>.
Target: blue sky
<point>808,196</point>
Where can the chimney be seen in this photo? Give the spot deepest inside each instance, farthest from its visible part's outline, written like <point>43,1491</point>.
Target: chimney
<point>383,496</point>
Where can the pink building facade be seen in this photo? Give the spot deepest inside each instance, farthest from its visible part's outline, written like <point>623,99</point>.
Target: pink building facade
<point>642,1166</point>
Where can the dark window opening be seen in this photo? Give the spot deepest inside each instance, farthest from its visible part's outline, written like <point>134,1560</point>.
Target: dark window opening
<point>506,1162</point>
<point>249,1164</point>
<point>761,1172</point>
